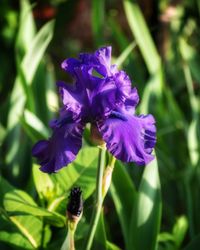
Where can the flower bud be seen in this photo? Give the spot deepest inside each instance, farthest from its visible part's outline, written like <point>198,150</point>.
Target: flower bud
<point>75,205</point>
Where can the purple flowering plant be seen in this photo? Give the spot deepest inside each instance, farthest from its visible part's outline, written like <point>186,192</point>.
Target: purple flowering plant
<point>103,96</point>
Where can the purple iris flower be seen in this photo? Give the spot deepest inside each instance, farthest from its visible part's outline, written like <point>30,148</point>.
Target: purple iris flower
<point>101,95</point>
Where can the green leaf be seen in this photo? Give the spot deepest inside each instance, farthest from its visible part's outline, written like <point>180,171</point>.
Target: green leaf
<point>118,35</point>
<point>4,188</point>
<point>119,61</point>
<point>22,94</point>
<point>111,246</point>
<point>30,61</point>
<point>188,78</point>
<point>36,51</point>
<point>19,202</point>
<point>15,240</point>
<point>34,126</point>
<point>123,194</point>
<point>81,172</point>
<point>165,237</point>
<point>98,21</point>
<point>142,35</point>
<point>30,227</point>
<point>152,89</point>
<point>145,221</point>
<point>43,183</point>
<point>26,29</point>
<point>180,230</point>
<point>193,142</point>
<point>2,133</point>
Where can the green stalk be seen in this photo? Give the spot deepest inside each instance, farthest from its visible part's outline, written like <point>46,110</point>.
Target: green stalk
<point>68,244</point>
<point>104,178</point>
<point>99,199</point>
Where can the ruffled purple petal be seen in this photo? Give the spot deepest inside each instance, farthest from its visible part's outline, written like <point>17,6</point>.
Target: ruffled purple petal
<point>99,61</point>
<point>72,99</point>
<point>112,93</point>
<point>70,64</point>
<point>103,56</point>
<point>131,101</point>
<point>60,149</point>
<point>86,82</point>
<point>129,138</point>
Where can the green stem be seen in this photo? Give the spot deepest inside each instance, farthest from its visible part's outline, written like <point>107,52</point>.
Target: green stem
<point>99,199</point>
<point>68,244</point>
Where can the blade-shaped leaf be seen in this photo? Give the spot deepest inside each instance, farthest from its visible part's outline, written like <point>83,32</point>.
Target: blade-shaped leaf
<point>145,222</point>
<point>142,35</point>
<point>34,126</point>
<point>119,61</point>
<point>36,51</point>
<point>123,194</point>
<point>26,29</point>
<point>98,20</point>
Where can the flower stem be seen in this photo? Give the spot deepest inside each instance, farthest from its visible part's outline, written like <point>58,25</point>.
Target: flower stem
<point>103,182</point>
<point>68,244</point>
<point>99,199</point>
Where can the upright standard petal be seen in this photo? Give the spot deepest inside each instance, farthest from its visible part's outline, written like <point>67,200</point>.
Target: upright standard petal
<point>70,64</point>
<point>60,149</point>
<point>72,99</point>
<point>111,93</point>
<point>100,60</point>
<point>129,138</point>
<point>103,56</point>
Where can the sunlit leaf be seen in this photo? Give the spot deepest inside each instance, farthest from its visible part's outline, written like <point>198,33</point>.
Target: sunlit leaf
<point>142,35</point>
<point>15,240</point>
<point>81,172</point>
<point>19,202</point>
<point>180,230</point>
<point>33,126</point>
<point>30,227</point>
<point>119,61</point>
<point>145,221</point>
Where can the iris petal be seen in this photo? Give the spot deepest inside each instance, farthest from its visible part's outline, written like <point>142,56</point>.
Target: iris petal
<point>130,139</point>
<point>102,95</point>
<point>72,99</point>
<point>112,93</point>
<point>70,64</point>
<point>60,149</point>
<point>100,60</point>
<point>131,101</point>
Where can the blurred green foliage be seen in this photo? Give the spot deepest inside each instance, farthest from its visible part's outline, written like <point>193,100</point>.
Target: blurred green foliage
<point>157,43</point>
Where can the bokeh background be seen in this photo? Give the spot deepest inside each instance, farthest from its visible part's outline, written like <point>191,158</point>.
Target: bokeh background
<point>158,44</point>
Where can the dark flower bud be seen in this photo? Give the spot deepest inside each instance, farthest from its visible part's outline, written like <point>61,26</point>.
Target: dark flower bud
<point>75,205</point>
